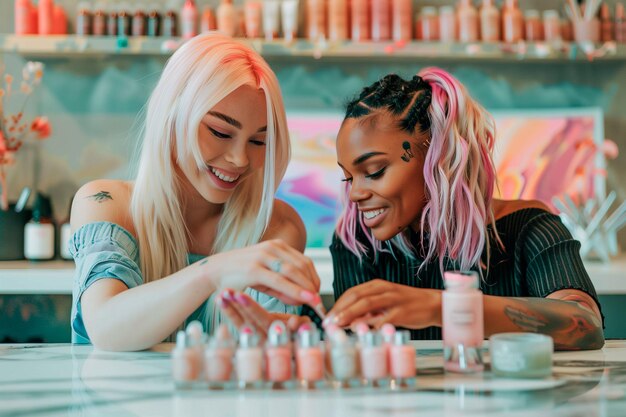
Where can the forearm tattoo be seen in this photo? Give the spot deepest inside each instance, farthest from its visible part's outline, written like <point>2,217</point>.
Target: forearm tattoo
<point>408,153</point>
<point>571,324</point>
<point>101,196</point>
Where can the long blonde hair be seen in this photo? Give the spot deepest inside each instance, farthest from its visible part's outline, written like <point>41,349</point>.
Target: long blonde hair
<point>197,76</point>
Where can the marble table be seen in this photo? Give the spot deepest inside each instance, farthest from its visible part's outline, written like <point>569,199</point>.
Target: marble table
<point>66,380</point>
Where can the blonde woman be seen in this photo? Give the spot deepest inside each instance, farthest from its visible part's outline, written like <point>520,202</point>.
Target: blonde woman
<point>200,215</point>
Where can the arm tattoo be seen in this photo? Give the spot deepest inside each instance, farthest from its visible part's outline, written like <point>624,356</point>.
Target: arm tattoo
<point>408,153</point>
<point>571,325</point>
<point>101,196</point>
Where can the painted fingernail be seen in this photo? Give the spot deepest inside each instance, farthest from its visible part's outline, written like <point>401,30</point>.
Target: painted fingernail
<point>222,302</point>
<point>308,296</point>
<point>331,319</point>
<point>228,295</point>
<point>241,299</point>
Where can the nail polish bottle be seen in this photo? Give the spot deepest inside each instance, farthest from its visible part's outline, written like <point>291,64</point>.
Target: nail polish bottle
<point>189,20</point>
<point>153,22</point>
<point>309,356</point>
<point>551,26</point>
<point>343,359</point>
<point>278,355</point>
<point>490,22</point>
<point>207,20</point>
<point>381,20</point>
<point>534,28</point>
<point>388,332</point>
<point>468,21</point>
<point>402,359</point>
<point>338,20</point>
<point>428,24</point>
<point>373,356</point>
<point>39,231</point>
<point>187,362</point>
<point>606,24</point>
<point>447,24</point>
<point>249,359</point>
<point>46,10</point>
<point>34,19</point>
<point>226,18</point>
<point>59,19</point>
<point>83,20</point>
<point>219,357</point>
<point>512,22</point>
<point>462,322</point>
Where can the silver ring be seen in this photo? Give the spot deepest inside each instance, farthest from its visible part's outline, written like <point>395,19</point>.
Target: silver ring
<point>276,265</point>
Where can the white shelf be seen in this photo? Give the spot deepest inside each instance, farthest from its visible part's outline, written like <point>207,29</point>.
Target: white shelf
<point>56,277</point>
<point>88,46</point>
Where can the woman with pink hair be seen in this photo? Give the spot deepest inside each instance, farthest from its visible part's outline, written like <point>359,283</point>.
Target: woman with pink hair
<point>417,159</point>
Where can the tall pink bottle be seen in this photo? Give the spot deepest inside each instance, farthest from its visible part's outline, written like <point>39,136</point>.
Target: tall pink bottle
<point>60,20</point>
<point>490,22</point>
<point>402,357</point>
<point>533,28</point>
<point>551,26</point>
<point>402,20</point>
<point>338,20</point>
<point>512,22</point>
<point>249,359</point>
<point>373,358</point>
<point>309,356</point>
<point>381,20</point>
<point>428,24</point>
<point>189,20</point>
<point>360,20</point>
<point>315,19</point>
<point>278,354</point>
<point>447,24</point>
<point>46,17</point>
<point>226,18</point>
<point>467,16</point>
<point>23,17</point>
<point>462,322</point>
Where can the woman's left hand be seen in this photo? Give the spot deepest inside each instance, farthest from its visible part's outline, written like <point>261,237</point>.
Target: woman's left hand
<point>241,309</point>
<point>378,302</point>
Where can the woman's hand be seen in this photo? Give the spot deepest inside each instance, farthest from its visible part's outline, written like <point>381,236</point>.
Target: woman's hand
<point>241,309</point>
<point>378,302</point>
<point>272,267</point>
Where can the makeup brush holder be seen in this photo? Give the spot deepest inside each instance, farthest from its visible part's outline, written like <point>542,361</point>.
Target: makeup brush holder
<point>12,233</point>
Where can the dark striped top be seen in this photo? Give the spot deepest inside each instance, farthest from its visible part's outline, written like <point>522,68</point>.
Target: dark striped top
<point>539,257</point>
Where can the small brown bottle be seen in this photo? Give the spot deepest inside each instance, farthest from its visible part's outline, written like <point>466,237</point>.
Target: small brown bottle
<point>139,23</point>
<point>99,21</point>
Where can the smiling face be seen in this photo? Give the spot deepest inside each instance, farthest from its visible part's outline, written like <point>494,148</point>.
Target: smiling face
<point>231,138</point>
<point>384,165</point>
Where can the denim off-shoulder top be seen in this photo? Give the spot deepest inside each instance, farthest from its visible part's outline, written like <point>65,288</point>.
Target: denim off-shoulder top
<point>105,250</point>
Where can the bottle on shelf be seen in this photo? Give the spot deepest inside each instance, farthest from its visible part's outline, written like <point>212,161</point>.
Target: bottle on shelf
<point>360,27</point>
<point>512,22</point>
<point>337,20</point>
<point>83,19</point>
<point>428,24</point>
<point>607,30</point>
<point>534,28</point>
<point>551,26</point>
<point>401,20</point>
<point>124,20</point>
<point>252,19</point>
<point>189,20</point>
<point>620,23</point>
<point>112,21</point>
<point>138,22</point>
<point>289,15</point>
<point>24,17</point>
<point>153,21</point>
<point>59,20</point>
<point>170,21</point>
<point>39,231</point>
<point>46,16</point>
<point>468,21</point>
<point>226,18</point>
<point>381,20</point>
<point>490,22</point>
<point>100,17</point>
<point>271,19</point>
<point>447,24</point>
<point>315,20</point>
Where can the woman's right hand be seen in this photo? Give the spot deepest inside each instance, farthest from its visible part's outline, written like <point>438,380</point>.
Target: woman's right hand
<point>272,267</point>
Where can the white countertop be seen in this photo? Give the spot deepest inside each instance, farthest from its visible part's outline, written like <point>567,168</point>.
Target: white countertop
<point>55,277</point>
<point>77,380</point>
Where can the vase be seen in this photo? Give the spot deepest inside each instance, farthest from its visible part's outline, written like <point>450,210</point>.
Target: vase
<point>12,233</point>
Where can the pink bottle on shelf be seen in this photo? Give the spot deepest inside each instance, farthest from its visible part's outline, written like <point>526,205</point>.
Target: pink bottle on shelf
<point>373,357</point>
<point>512,22</point>
<point>338,20</point>
<point>387,332</point>
<point>343,358</point>
<point>381,20</point>
<point>252,19</point>
<point>402,357</point>
<point>360,18</point>
<point>34,19</point>
<point>23,17</point>
<point>189,20</point>
<point>428,24</point>
<point>315,19</point>
<point>249,359</point>
<point>219,356</point>
<point>45,16</point>
<point>534,28</point>
<point>186,362</point>
<point>467,16</point>
<point>401,20</point>
<point>620,23</point>
<point>278,354</point>
<point>138,22</point>
<point>99,27</point>
<point>490,22</point>
<point>607,30</point>
<point>207,20</point>
<point>309,356</point>
<point>447,24</point>
<point>551,26</point>
<point>83,20</point>
<point>59,20</point>
<point>462,322</point>
<point>226,18</point>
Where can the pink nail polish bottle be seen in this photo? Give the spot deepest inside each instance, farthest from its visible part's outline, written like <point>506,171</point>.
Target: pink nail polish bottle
<point>249,359</point>
<point>189,20</point>
<point>226,17</point>
<point>360,17</point>
<point>309,356</point>
<point>343,359</point>
<point>428,24</point>
<point>468,21</point>
<point>462,322</point>
<point>381,20</point>
<point>447,24</point>
<point>402,20</point>
<point>60,20</point>
<point>490,22</point>
<point>373,357</point>
<point>219,357</point>
<point>187,361</point>
<point>388,332</point>
<point>402,359</point>
<point>337,20</point>
<point>512,22</point>
<point>278,355</point>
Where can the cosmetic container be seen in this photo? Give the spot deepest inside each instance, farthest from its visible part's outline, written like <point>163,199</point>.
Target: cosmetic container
<point>521,355</point>
<point>428,24</point>
<point>468,21</point>
<point>607,31</point>
<point>278,355</point>
<point>490,22</point>
<point>567,30</point>
<point>83,19</point>
<point>620,23</point>
<point>124,20</point>
<point>512,22</point>
<point>534,28</point>
<point>189,20</point>
<point>219,357</point>
<point>401,20</point>
<point>343,359</point>
<point>226,18</point>
<point>551,26</point>
<point>462,322</point>
<point>381,20</point>
<point>447,24</point>
<point>138,22</point>
<point>249,359</point>
<point>338,20</point>
<point>23,19</point>
<point>402,359</point>
<point>45,16</point>
<point>100,17</point>
<point>59,20</point>
<point>187,361</point>
<point>112,21</point>
<point>387,332</point>
<point>153,21</point>
<point>252,19</point>
<point>271,16</point>
<point>309,356</point>
<point>170,23</point>
<point>373,356</point>
<point>360,18</point>
<point>289,14</point>
<point>39,231</point>
<point>315,20</point>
